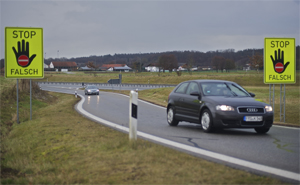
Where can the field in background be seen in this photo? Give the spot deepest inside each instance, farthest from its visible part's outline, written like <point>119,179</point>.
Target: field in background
<point>69,149</point>
<point>250,78</point>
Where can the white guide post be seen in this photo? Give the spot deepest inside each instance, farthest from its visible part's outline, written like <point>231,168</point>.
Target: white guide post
<point>133,108</point>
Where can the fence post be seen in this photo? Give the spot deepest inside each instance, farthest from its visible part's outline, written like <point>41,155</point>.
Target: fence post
<point>133,111</point>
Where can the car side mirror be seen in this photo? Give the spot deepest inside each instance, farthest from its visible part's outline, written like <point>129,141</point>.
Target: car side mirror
<point>252,95</point>
<point>195,93</point>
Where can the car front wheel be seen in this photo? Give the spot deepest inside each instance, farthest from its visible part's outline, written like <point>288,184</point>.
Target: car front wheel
<point>171,117</point>
<point>206,121</point>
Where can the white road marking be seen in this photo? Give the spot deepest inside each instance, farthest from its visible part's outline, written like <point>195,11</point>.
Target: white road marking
<point>280,126</point>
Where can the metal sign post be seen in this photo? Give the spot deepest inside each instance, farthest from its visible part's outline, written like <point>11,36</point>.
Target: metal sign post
<point>282,105</point>
<point>17,101</point>
<point>30,101</point>
<point>272,97</point>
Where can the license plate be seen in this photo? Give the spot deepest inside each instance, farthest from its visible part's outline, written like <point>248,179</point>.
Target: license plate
<point>253,118</point>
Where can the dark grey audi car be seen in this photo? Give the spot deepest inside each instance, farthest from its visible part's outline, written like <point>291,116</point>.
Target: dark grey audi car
<point>218,104</point>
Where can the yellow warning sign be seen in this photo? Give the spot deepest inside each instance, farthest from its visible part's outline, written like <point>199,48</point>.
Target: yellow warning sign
<point>24,52</point>
<point>279,61</point>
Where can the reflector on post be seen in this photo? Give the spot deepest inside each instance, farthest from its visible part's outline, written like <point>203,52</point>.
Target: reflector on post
<point>133,114</point>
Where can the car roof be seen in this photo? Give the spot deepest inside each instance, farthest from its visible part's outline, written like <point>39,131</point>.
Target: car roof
<point>208,80</point>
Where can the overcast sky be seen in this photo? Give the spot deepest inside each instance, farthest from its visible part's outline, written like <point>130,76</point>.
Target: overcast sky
<point>86,27</point>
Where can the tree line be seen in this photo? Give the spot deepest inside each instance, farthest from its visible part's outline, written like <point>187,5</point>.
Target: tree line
<point>220,59</point>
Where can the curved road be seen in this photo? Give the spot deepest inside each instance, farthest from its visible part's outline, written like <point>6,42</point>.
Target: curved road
<point>276,153</point>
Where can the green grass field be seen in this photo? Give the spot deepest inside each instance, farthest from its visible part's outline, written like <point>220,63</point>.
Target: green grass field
<point>59,146</point>
<point>250,78</point>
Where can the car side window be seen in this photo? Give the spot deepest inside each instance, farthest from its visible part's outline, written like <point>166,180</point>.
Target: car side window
<point>193,87</point>
<point>182,88</point>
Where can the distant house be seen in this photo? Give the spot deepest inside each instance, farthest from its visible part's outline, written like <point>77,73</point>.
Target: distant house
<point>185,67</point>
<point>46,66</point>
<point>152,68</point>
<point>115,67</point>
<point>85,68</point>
<point>204,68</point>
<point>64,66</point>
<point>194,68</point>
<point>125,69</point>
<point>182,67</point>
<point>247,67</point>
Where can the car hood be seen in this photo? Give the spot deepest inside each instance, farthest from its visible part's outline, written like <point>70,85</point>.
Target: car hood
<point>233,101</point>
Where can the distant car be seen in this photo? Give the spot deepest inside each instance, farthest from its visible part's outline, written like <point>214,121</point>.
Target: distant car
<point>91,89</point>
<point>218,104</point>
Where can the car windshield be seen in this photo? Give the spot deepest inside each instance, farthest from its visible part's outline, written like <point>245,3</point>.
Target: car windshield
<point>223,89</point>
<point>91,87</point>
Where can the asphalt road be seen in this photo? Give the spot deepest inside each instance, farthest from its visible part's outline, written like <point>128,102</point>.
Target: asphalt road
<point>278,149</point>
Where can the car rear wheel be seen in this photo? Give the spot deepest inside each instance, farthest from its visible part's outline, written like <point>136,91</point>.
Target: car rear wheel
<point>206,121</point>
<point>171,117</point>
<point>262,130</point>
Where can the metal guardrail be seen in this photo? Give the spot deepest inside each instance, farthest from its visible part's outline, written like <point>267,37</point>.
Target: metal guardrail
<point>109,85</point>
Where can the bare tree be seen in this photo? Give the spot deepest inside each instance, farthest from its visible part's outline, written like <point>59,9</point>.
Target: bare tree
<point>218,63</point>
<point>92,65</point>
<point>136,66</point>
<point>229,65</point>
<point>167,62</point>
<point>257,61</point>
<point>190,65</point>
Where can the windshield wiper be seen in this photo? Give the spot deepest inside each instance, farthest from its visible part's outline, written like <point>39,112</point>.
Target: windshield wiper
<point>233,93</point>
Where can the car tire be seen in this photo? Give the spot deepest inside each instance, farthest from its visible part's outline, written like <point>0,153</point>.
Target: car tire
<point>261,130</point>
<point>172,121</point>
<point>206,121</point>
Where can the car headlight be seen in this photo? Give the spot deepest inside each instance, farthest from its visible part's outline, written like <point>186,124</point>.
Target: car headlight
<point>268,108</point>
<point>224,108</point>
<point>89,90</point>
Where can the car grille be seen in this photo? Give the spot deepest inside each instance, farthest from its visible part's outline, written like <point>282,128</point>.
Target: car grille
<point>251,110</point>
<point>244,123</point>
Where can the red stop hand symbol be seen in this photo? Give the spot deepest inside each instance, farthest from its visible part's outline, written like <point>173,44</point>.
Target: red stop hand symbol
<point>278,62</point>
<point>22,55</point>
